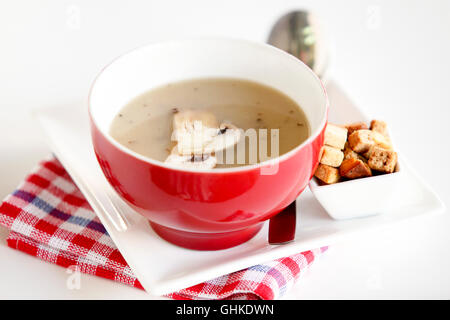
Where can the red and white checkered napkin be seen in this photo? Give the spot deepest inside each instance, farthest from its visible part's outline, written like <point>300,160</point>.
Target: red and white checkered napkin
<point>50,219</point>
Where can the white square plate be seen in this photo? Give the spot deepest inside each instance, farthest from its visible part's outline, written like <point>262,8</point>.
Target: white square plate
<point>162,267</point>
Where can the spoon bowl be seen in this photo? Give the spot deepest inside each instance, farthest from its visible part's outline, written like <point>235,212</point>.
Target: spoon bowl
<point>300,34</point>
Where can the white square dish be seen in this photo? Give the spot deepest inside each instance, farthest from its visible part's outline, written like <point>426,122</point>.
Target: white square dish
<point>359,197</point>
<point>162,267</point>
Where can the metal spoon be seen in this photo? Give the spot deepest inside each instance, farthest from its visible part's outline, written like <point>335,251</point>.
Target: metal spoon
<point>300,34</point>
<point>297,33</point>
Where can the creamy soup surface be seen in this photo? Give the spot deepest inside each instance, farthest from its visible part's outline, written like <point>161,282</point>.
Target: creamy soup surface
<point>145,124</point>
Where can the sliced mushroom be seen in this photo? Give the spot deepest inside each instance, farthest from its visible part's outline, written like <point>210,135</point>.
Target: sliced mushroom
<point>201,161</point>
<point>193,129</point>
<point>198,137</point>
<point>227,136</point>
<point>198,132</point>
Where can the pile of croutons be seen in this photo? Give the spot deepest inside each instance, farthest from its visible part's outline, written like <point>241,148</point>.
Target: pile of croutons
<point>355,151</point>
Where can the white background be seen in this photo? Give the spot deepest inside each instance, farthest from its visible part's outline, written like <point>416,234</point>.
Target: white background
<point>392,58</point>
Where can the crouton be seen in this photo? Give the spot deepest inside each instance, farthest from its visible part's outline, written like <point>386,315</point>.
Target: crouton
<point>327,174</point>
<point>366,155</point>
<point>356,126</point>
<point>381,140</point>
<point>349,153</point>
<point>354,168</point>
<point>382,160</point>
<point>380,127</point>
<point>360,141</point>
<point>354,151</point>
<point>331,156</point>
<point>335,136</point>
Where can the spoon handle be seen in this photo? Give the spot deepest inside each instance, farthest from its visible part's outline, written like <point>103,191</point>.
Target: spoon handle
<point>282,225</point>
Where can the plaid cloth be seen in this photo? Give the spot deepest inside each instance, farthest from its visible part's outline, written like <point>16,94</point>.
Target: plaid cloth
<point>49,218</point>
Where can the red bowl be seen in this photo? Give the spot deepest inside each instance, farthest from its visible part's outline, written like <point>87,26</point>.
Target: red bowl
<point>217,208</point>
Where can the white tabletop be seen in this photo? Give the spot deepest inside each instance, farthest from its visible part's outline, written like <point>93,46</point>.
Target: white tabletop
<point>391,58</point>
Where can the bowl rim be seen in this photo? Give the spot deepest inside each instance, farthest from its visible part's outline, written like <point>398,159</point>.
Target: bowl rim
<point>261,45</point>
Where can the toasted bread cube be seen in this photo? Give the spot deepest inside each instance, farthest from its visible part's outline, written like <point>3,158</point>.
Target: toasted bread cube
<point>349,153</point>
<point>354,168</point>
<point>335,136</point>
<point>380,127</point>
<point>382,160</point>
<point>360,141</point>
<point>352,127</point>
<point>331,156</point>
<point>327,174</point>
<point>381,140</point>
<point>366,155</point>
